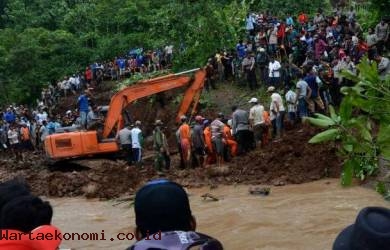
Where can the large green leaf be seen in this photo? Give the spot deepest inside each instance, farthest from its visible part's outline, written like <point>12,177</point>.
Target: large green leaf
<point>319,122</point>
<point>324,117</point>
<point>346,108</point>
<point>327,135</point>
<point>332,113</point>
<point>384,140</point>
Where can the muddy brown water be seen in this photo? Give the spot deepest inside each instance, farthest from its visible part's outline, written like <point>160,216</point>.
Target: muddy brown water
<point>305,216</point>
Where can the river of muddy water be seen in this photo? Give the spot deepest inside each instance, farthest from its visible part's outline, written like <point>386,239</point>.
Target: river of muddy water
<point>306,216</point>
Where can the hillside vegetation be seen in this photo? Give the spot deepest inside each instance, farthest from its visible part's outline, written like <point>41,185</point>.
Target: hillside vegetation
<point>42,41</point>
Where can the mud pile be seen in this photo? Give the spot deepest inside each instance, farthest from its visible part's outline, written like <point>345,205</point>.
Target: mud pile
<point>291,160</point>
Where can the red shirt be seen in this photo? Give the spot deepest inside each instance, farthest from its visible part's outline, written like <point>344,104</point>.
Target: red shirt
<point>88,74</point>
<point>302,18</point>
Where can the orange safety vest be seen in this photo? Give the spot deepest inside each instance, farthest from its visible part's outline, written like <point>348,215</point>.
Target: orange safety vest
<point>185,131</point>
<point>25,132</point>
<point>185,141</point>
<point>227,133</point>
<point>266,118</point>
<point>211,156</point>
<point>207,138</point>
<point>230,142</point>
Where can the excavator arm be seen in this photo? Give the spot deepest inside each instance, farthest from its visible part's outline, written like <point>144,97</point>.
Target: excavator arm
<point>153,86</point>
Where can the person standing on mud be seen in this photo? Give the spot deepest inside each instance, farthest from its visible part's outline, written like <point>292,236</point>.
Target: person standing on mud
<point>198,141</point>
<point>124,139</point>
<point>43,132</point>
<point>210,75</point>
<point>13,139</point>
<point>184,132</point>
<point>256,121</point>
<point>277,112</point>
<point>160,145</point>
<point>83,106</point>
<point>25,137</point>
<point>231,144</point>
<point>210,159</point>
<point>3,135</point>
<point>217,139</point>
<point>137,142</point>
<point>248,66</point>
<point>240,127</point>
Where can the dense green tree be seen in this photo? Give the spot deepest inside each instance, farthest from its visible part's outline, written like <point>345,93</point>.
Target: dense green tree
<point>44,40</point>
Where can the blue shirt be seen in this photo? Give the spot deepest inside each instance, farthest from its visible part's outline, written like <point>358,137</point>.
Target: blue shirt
<point>51,127</point>
<point>241,50</point>
<point>140,60</point>
<point>83,103</point>
<point>311,81</point>
<point>9,117</point>
<point>121,63</point>
<point>289,21</point>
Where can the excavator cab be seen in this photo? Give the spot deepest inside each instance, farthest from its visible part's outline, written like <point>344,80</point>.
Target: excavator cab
<point>73,143</point>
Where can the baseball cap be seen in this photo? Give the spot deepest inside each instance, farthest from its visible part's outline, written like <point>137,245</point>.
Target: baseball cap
<point>162,205</point>
<point>271,89</point>
<point>158,122</point>
<point>253,100</point>
<point>199,118</point>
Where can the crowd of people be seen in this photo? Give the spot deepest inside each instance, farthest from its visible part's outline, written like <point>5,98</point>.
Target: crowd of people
<point>298,60</point>
<point>203,142</point>
<point>24,128</point>
<point>279,51</point>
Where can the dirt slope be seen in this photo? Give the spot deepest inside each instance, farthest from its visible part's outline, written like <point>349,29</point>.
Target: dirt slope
<point>292,160</point>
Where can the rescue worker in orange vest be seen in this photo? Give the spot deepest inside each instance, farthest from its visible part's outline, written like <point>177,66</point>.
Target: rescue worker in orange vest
<point>211,157</point>
<point>267,123</point>
<point>25,137</point>
<point>230,142</point>
<point>185,140</point>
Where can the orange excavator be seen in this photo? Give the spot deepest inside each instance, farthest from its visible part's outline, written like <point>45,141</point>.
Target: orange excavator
<point>74,144</point>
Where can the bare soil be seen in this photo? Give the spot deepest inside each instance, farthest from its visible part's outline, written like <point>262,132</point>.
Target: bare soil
<point>291,160</point>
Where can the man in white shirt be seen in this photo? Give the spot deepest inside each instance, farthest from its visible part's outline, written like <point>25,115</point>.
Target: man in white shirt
<point>274,72</point>
<point>383,66</point>
<point>256,121</point>
<point>13,138</point>
<point>137,142</point>
<point>291,99</point>
<point>168,52</point>
<point>43,132</point>
<point>277,112</point>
